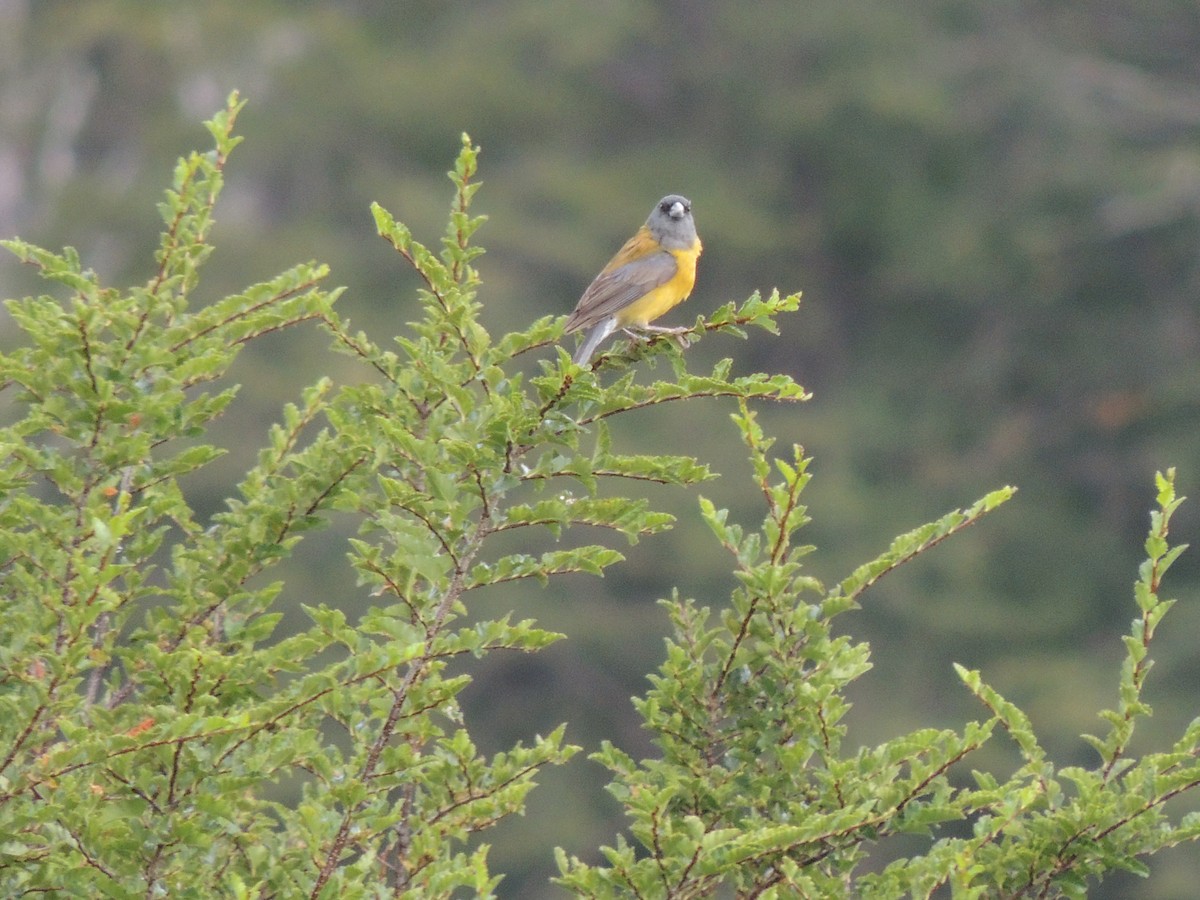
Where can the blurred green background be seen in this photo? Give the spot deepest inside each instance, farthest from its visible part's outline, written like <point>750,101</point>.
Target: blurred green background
<point>993,211</point>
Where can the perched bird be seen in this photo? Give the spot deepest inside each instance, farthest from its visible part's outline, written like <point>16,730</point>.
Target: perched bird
<point>653,272</point>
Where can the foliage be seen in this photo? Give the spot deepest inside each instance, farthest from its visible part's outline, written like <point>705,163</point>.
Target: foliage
<point>754,790</point>
<point>992,209</point>
<point>156,718</point>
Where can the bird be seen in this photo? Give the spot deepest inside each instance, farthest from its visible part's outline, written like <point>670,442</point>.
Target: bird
<point>654,271</point>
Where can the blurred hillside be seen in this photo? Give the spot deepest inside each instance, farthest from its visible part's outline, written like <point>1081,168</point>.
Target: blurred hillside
<point>993,212</point>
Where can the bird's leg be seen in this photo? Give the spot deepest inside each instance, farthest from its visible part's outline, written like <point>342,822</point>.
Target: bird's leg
<point>659,329</point>
<point>644,331</point>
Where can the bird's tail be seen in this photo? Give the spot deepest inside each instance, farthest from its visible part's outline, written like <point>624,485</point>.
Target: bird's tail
<point>603,329</point>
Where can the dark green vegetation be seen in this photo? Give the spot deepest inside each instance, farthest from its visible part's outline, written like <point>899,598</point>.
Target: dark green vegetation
<point>991,214</point>
<point>163,736</point>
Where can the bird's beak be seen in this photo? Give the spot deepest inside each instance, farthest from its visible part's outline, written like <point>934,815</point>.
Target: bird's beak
<point>677,210</point>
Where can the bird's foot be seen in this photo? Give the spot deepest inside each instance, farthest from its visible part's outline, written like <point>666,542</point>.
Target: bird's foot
<point>646,332</point>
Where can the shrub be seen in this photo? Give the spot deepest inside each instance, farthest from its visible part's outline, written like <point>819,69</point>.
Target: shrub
<point>151,706</point>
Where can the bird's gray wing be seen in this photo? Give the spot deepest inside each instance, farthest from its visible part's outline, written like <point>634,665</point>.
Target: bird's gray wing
<point>612,291</point>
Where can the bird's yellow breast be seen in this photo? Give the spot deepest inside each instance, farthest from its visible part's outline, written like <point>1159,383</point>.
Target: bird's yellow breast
<point>669,294</point>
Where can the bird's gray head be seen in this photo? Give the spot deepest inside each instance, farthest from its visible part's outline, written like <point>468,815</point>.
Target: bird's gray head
<point>671,222</point>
